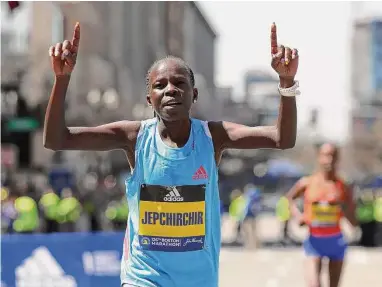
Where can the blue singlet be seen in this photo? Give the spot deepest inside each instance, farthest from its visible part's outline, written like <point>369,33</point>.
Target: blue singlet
<point>173,231</point>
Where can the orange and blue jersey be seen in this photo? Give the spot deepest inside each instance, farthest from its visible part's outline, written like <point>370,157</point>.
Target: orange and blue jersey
<point>323,211</point>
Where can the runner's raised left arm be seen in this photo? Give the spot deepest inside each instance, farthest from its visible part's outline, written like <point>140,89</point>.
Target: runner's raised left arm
<point>283,134</point>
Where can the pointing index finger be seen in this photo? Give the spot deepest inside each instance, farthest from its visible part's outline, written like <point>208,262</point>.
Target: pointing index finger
<point>76,38</point>
<point>273,39</point>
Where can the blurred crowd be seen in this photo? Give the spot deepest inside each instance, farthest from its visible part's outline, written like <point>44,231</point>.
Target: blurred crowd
<point>60,199</point>
<point>56,200</point>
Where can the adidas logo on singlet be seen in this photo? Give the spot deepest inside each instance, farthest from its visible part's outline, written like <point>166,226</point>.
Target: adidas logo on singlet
<point>173,195</point>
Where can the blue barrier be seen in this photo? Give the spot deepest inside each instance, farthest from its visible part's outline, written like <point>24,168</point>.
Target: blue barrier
<point>62,259</point>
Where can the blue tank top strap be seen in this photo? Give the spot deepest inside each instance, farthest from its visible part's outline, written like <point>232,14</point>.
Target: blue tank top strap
<point>144,128</point>
<point>207,133</point>
<point>142,134</point>
<point>206,128</point>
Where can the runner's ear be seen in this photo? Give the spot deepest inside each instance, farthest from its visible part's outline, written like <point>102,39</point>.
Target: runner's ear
<point>148,100</point>
<point>196,94</point>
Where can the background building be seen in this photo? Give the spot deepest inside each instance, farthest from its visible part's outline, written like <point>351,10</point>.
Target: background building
<point>119,42</point>
<point>367,94</point>
<point>199,52</point>
<point>262,95</point>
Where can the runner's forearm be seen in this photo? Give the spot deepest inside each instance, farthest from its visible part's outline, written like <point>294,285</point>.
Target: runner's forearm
<point>55,128</point>
<point>287,119</point>
<point>350,216</point>
<point>296,213</point>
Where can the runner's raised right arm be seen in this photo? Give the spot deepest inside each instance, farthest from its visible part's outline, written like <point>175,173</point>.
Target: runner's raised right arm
<point>57,136</point>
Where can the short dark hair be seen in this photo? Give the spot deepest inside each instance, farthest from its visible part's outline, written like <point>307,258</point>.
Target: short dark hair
<point>180,61</point>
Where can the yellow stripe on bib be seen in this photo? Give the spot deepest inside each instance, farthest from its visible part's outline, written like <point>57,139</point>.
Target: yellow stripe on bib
<point>180,219</point>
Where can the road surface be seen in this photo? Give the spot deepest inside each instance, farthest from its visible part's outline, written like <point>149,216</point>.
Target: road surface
<point>283,268</point>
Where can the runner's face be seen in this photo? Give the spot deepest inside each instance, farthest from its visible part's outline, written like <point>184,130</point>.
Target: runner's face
<point>171,91</point>
<point>328,157</point>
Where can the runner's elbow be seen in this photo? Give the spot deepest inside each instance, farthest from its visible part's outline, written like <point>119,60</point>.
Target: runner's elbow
<point>286,144</point>
<point>50,145</point>
<point>55,141</point>
<point>354,222</point>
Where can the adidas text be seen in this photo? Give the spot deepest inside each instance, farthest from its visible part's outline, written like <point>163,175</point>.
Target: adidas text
<point>173,195</point>
<point>173,198</point>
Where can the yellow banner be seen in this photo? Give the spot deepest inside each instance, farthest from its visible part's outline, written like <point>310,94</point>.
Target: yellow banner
<point>172,219</point>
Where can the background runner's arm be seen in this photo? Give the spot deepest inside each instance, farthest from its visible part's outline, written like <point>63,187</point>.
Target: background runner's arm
<point>296,191</point>
<point>57,136</point>
<point>350,206</point>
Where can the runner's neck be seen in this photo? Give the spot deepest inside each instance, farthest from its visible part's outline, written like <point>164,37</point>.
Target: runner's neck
<point>175,133</point>
<point>327,175</point>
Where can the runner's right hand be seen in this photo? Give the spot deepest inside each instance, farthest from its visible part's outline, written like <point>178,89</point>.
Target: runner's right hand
<point>301,222</point>
<point>63,55</point>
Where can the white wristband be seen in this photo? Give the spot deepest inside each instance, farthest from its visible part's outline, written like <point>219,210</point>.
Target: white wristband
<point>291,91</point>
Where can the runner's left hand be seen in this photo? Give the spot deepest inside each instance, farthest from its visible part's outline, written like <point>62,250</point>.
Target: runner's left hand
<point>284,59</point>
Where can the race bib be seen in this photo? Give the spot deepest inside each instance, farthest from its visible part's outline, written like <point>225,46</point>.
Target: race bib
<point>172,218</point>
<point>325,214</point>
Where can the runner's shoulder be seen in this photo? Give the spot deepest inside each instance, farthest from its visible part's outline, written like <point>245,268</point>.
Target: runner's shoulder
<point>214,127</point>
<point>132,127</point>
<point>342,180</point>
<point>129,128</point>
<point>346,186</point>
<point>304,181</point>
<point>217,132</point>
